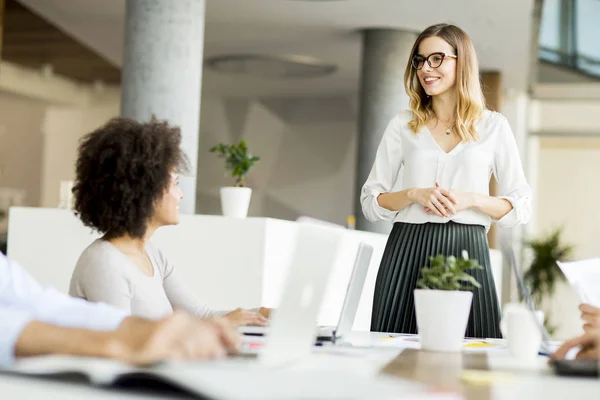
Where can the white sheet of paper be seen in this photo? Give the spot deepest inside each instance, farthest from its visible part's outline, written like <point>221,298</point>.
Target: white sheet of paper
<point>584,277</point>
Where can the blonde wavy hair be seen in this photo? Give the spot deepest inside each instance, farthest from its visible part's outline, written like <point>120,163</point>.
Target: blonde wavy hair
<point>470,102</point>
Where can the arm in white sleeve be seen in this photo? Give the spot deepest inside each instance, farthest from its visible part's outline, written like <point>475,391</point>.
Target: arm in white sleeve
<point>384,174</point>
<point>18,289</point>
<point>12,323</point>
<point>512,184</point>
<point>180,295</point>
<point>23,300</point>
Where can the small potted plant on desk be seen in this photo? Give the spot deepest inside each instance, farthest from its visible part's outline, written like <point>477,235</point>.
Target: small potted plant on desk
<point>235,200</point>
<point>443,303</point>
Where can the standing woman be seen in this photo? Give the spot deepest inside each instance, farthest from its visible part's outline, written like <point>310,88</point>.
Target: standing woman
<point>447,146</point>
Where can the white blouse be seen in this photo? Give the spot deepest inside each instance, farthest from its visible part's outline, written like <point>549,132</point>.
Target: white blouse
<point>468,167</point>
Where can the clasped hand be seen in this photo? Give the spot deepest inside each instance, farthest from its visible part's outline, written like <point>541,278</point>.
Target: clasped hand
<point>441,201</point>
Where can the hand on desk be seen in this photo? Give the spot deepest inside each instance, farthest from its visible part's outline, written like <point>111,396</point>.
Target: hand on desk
<point>136,341</point>
<point>265,312</point>
<point>242,317</point>
<point>590,316</point>
<point>179,336</point>
<point>589,343</point>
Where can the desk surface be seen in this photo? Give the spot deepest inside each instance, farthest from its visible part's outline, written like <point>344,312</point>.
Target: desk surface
<point>504,377</point>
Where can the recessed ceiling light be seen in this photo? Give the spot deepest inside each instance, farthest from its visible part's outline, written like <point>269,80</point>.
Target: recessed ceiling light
<point>269,66</point>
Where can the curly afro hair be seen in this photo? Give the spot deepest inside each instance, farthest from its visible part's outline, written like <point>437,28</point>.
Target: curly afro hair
<point>122,170</point>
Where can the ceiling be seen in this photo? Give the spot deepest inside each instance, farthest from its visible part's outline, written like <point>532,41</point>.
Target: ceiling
<point>328,30</point>
<point>31,41</point>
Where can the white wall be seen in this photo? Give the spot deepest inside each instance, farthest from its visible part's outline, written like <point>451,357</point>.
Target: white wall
<point>568,197</point>
<point>21,144</point>
<point>63,127</point>
<point>41,119</point>
<point>307,149</point>
<point>565,185</point>
<point>307,145</point>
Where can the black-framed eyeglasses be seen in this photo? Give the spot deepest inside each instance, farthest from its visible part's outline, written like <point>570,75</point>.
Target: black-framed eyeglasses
<point>434,60</point>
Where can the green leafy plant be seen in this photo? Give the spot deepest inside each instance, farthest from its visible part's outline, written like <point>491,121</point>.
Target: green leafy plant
<point>544,273</point>
<point>2,214</point>
<point>449,273</point>
<point>238,161</point>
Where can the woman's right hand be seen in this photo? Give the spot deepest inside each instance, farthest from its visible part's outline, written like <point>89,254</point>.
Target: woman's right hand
<point>438,199</point>
<point>242,317</point>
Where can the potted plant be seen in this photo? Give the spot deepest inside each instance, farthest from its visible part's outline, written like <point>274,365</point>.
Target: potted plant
<point>443,303</point>
<point>544,273</point>
<point>235,200</point>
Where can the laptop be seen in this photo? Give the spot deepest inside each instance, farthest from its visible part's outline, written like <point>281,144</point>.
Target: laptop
<point>577,367</point>
<point>349,307</point>
<point>292,326</point>
<point>352,298</point>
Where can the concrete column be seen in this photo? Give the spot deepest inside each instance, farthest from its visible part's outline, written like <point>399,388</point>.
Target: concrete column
<point>162,72</point>
<point>382,95</point>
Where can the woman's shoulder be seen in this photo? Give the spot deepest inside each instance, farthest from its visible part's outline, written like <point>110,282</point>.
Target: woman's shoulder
<point>493,119</point>
<point>404,116</point>
<point>100,255</point>
<point>400,121</point>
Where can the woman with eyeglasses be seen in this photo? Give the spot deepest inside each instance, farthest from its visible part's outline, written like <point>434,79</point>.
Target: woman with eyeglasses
<point>445,150</point>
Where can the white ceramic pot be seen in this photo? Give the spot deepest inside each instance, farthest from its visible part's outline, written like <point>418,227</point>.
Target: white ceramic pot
<point>235,201</point>
<point>442,317</point>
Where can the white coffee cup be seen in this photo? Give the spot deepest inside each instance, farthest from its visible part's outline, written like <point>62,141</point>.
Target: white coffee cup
<point>521,330</point>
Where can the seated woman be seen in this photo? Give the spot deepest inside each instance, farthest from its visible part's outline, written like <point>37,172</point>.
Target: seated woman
<point>127,176</point>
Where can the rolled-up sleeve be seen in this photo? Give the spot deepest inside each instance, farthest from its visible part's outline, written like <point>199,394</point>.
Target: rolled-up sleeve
<point>384,174</point>
<point>512,184</point>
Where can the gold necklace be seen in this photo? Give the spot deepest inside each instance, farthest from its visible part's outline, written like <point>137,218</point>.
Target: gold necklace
<point>448,128</point>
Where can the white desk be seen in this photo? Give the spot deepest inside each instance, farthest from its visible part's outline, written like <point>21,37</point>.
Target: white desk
<point>530,382</point>
<point>231,262</point>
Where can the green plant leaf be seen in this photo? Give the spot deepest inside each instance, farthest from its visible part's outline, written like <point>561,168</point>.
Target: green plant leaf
<point>238,161</point>
<point>543,273</point>
<point>448,273</point>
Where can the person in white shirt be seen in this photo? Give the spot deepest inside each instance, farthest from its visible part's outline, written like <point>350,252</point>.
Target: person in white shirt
<point>36,320</point>
<point>445,149</point>
<point>127,186</point>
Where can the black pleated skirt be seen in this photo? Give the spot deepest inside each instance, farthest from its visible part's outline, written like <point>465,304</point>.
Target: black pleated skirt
<point>407,250</point>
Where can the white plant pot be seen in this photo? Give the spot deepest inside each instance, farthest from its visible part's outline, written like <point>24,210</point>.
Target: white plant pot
<point>442,317</point>
<point>235,201</point>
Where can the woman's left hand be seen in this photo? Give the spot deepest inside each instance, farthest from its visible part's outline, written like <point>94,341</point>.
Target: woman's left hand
<point>241,317</point>
<point>464,200</point>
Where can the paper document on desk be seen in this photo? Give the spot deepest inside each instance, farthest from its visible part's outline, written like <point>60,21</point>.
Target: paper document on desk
<point>584,278</point>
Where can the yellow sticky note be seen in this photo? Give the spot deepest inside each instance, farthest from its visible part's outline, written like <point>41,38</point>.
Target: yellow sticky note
<point>481,377</point>
<point>479,344</point>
